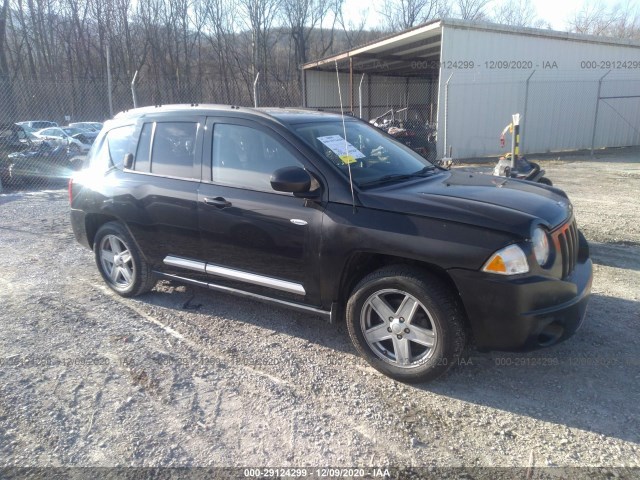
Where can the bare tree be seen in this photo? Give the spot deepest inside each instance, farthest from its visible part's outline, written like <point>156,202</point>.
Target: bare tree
<point>6,91</point>
<point>472,9</point>
<point>219,34</point>
<point>354,32</point>
<point>301,18</point>
<point>184,50</point>
<point>595,18</point>
<point>259,16</point>
<point>518,13</point>
<point>402,14</point>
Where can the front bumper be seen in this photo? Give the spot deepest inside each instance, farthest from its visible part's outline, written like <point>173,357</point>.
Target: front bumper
<point>526,312</point>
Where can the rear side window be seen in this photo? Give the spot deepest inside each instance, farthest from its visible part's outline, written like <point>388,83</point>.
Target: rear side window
<point>174,147</point>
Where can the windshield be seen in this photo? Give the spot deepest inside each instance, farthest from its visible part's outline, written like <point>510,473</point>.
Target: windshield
<point>374,158</point>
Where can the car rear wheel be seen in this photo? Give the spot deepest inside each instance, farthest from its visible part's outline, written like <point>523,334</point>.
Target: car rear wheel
<point>406,323</point>
<point>120,263</point>
<point>545,181</point>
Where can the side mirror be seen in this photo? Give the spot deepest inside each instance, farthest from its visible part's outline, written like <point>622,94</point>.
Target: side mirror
<point>291,180</point>
<point>128,161</point>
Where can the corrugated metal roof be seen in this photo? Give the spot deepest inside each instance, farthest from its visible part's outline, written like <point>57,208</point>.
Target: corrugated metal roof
<point>394,52</point>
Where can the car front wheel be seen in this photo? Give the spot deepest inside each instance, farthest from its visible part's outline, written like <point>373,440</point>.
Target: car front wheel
<point>406,323</point>
<point>120,263</point>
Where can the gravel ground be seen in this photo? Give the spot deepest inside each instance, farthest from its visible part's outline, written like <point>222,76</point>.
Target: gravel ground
<point>188,377</point>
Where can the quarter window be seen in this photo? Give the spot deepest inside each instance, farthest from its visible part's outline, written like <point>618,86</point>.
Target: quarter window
<point>246,157</point>
<point>120,141</point>
<point>114,146</point>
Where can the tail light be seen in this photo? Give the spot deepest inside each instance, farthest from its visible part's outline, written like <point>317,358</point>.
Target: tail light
<point>70,190</point>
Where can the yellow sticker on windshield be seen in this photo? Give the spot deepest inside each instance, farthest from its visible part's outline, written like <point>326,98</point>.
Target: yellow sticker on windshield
<point>347,159</point>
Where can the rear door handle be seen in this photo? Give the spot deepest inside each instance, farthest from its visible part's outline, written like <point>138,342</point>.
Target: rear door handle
<point>217,202</point>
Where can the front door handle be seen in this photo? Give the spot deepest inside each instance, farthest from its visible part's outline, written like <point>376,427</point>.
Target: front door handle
<point>217,202</point>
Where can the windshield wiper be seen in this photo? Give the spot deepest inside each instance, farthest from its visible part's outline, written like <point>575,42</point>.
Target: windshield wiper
<point>394,177</point>
<point>423,171</point>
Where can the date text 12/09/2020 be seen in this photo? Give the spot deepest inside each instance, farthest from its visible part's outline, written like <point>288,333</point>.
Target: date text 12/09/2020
<point>525,65</point>
<point>487,65</point>
<point>316,472</point>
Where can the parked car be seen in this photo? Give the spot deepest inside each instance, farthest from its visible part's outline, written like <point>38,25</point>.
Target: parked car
<point>30,132</point>
<point>277,205</point>
<point>38,124</point>
<point>75,139</point>
<point>90,126</point>
<point>13,138</point>
<point>42,162</point>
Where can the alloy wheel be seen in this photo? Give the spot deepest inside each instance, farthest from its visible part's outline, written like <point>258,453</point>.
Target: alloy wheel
<point>398,328</point>
<point>117,262</point>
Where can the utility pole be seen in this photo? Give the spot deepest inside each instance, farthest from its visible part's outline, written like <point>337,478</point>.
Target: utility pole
<point>109,81</point>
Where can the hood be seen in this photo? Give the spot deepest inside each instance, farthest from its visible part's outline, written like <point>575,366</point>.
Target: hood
<point>486,201</point>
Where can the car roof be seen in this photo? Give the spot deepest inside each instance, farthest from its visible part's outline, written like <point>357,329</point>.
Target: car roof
<point>283,115</point>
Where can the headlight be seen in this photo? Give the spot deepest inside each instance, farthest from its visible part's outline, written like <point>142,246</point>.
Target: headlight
<point>540,245</point>
<point>510,260</point>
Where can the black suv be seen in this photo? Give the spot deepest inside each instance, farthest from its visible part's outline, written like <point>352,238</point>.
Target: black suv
<point>331,216</point>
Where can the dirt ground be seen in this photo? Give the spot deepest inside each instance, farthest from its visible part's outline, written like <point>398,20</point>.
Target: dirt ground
<point>188,377</point>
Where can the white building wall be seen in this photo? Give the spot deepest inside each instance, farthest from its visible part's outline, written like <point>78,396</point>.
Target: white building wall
<point>559,104</point>
<point>322,89</point>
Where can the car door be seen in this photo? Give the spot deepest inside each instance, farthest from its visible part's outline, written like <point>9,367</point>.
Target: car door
<point>159,191</point>
<point>254,238</point>
<point>59,136</point>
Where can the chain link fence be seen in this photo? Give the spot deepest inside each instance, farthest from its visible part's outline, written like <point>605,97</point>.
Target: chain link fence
<point>404,107</point>
<point>462,115</point>
<point>47,127</point>
<point>457,115</point>
<point>558,113</point>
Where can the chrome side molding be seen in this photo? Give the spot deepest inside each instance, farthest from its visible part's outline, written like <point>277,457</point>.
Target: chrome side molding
<point>232,274</point>
<point>261,280</point>
<point>253,296</point>
<point>185,263</point>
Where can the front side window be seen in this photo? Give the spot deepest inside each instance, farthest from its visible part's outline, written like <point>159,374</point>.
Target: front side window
<point>246,157</point>
<point>174,149</point>
<point>372,157</point>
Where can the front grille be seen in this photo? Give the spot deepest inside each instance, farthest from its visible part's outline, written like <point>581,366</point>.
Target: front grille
<point>567,242</point>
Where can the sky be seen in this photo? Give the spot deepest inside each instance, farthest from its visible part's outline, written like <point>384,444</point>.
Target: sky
<point>556,12</point>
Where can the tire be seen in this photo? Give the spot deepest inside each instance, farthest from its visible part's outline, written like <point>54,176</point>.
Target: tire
<point>436,318</point>
<point>120,263</point>
<point>545,181</point>
<point>76,164</point>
